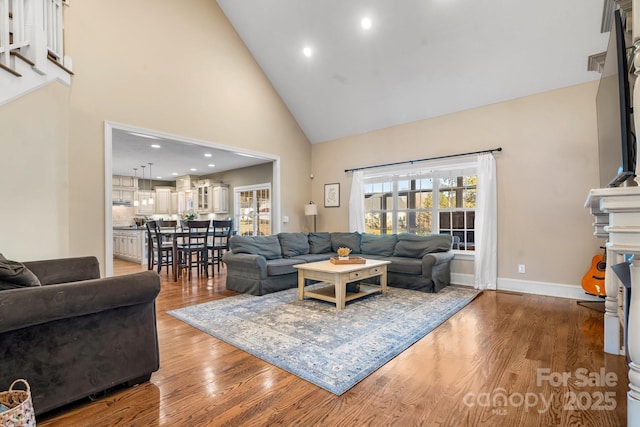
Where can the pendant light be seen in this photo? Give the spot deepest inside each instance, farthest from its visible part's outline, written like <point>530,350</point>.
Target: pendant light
<point>135,181</point>
<point>144,199</point>
<point>150,185</point>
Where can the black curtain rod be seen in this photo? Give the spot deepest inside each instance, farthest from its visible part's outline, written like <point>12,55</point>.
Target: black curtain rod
<point>424,160</point>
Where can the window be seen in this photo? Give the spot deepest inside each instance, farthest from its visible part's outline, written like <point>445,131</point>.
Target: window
<point>253,210</point>
<point>423,202</point>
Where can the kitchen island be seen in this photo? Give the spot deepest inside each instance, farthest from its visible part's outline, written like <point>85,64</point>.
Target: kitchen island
<point>130,244</point>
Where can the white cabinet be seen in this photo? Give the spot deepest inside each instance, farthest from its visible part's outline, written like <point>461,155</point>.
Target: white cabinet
<point>163,200</point>
<point>174,202</point>
<point>123,189</point>
<point>123,196</point>
<point>130,245</point>
<point>221,199</point>
<point>146,205</point>
<point>203,198</point>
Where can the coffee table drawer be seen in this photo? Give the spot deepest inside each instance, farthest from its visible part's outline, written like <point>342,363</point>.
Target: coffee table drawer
<point>363,274</point>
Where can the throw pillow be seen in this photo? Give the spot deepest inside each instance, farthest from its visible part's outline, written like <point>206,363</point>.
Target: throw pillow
<point>14,274</point>
<point>293,244</point>
<point>414,246</point>
<point>267,246</point>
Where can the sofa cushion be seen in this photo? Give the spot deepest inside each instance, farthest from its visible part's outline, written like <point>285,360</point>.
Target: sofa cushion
<point>293,244</point>
<point>267,246</point>
<point>14,274</point>
<point>345,240</point>
<point>278,267</point>
<point>414,246</point>
<point>373,244</point>
<point>319,243</point>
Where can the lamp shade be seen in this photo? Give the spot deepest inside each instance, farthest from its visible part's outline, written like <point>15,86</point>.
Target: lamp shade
<point>310,209</point>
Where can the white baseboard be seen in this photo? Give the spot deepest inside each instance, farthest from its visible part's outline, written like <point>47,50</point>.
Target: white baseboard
<point>530,287</point>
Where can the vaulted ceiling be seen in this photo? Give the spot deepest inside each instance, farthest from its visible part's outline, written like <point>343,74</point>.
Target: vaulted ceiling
<point>419,58</point>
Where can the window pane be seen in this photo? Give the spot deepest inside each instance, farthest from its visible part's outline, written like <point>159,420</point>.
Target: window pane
<point>373,203</point>
<point>447,199</point>
<point>458,220</point>
<point>402,222</point>
<point>402,202</point>
<point>404,185</point>
<point>372,222</point>
<point>471,220</point>
<point>423,224</point>
<point>469,196</point>
<point>445,220</point>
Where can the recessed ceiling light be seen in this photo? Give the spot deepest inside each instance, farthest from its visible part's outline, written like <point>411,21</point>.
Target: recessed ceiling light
<point>207,154</point>
<point>211,165</point>
<point>158,177</point>
<point>307,51</point>
<point>174,173</point>
<point>193,169</point>
<point>155,146</point>
<point>365,23</point>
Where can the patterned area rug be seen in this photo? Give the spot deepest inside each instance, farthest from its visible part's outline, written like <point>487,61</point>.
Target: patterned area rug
<point>333,349</point>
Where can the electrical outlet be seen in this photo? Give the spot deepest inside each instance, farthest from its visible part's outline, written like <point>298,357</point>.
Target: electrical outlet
<point>521,268</point>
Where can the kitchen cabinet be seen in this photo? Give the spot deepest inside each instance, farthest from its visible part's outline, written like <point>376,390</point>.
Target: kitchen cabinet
<point>174,202</point>
<point>124,181</point>
<point>163,200</point>
<point>221,199</point>
<point>130,245</point>
<point>123,196</point>
<point>203,198</point>
<point>147,208</point>
<point>123,189</point>
<point>211,197</point>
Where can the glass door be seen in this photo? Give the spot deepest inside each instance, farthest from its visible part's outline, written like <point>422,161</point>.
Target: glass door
<point>253,210</point>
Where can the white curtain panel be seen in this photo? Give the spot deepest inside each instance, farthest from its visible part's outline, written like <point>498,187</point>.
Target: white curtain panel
<point>486,224</point>
<point>356,202</point>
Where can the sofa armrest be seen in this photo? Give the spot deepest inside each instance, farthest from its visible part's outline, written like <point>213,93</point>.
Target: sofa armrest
<point>249,265</point>
<point>433,259</point>
<point>24,307</point>
<point>65,270</point>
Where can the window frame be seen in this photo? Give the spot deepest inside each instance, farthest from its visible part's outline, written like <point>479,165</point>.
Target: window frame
<point>434,171</point>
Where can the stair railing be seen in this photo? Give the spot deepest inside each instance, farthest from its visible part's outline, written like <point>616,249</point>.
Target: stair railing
<point>53,27</point>
<point>12,28</point>
<point>31,24</point>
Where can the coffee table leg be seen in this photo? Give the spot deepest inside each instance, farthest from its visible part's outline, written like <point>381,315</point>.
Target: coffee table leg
<point>341,292</point>
<point>383,280</point>
<point>300,285</point>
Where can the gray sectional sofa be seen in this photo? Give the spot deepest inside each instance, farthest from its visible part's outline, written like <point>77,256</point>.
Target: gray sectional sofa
<point>259,265</point>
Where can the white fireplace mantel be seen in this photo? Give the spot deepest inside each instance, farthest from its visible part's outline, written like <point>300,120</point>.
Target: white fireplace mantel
<point>617,218</point>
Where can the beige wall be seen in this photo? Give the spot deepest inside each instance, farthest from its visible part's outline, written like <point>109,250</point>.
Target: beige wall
<point>33,175</point>
<point>259,174</point>
<point>548,165</point>
<point>159,65</point>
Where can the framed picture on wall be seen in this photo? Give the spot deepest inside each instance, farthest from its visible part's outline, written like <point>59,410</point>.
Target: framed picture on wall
<point>332,195</point>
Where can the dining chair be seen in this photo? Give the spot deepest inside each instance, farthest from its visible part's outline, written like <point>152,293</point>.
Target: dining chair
<point>193,251</point>
<point>220,241</point>
<point>160,252</point>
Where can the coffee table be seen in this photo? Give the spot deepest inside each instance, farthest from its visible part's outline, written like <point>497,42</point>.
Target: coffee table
<point>337,276</point>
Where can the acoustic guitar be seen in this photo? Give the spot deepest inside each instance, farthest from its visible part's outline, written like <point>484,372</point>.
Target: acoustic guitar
<point>593,281</point>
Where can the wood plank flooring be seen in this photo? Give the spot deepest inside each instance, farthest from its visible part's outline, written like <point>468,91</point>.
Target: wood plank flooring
<point>498,362</point>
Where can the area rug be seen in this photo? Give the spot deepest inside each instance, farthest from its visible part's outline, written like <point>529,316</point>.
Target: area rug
<point>333,349</point>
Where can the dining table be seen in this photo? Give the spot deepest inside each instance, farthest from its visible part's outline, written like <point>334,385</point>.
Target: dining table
<point>175,236</point>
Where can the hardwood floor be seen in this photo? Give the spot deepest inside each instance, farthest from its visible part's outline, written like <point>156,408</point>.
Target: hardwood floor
<point>498,362</point>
